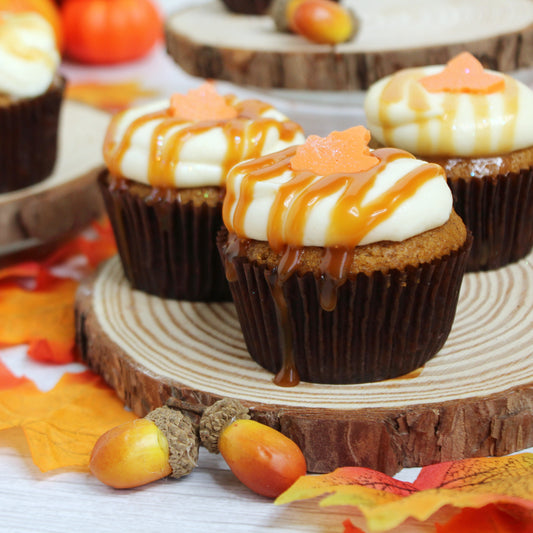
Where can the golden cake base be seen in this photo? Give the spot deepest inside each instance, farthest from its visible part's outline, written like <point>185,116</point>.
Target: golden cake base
<point>475,398</point>
<point>37,217</point>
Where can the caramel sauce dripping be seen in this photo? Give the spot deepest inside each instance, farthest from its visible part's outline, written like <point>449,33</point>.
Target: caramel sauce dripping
<point>245,134</point>
<point>352,219</point>
<point>404,85</point>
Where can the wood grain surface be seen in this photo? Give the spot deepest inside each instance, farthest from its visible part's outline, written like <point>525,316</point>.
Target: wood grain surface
<point>475,398</point>
<point>209,41</point>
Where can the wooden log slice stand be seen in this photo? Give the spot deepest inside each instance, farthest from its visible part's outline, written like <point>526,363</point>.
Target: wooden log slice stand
<point>475,398</point>
<point>36,218</point>
<point>209,41</point>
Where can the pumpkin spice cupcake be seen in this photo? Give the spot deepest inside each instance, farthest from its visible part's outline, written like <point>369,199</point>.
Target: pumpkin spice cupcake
<point>31,92</point>
<point>344,264</point>
<point>475,124</point>
<point>165,183</point>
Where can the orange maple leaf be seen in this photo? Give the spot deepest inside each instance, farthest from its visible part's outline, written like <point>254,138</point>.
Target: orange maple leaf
<point>489,519</point>
<point>386,502</point>
<point>29,316</point>
<point>350,528</point>
<point>62,425</point>
<point>341,151</point>
<point>111,97</point>
<point>8,379</point>
<point>38,308</point>
<point>463,74</point>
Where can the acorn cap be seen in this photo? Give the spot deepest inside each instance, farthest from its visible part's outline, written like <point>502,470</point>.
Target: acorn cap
<point>183,442</point>
<point>216,417</point>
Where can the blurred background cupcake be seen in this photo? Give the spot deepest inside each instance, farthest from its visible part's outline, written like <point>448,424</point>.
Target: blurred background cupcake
<point>344,264</point>
<point>165,182</point>
<point>248,7</point>
<point>477,125</point>
<point>31,92</point>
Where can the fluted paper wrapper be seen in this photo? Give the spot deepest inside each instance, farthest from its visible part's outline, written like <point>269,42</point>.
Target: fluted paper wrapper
<point>167,248</point>
<point>384,325</point>
<point>29,135</point>
<point>248,7</point>
<point>498,210</point>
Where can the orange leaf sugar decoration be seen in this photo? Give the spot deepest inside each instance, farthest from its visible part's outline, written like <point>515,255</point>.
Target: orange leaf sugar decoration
<point>341,151</point>
<point>463,74</point>
<point>203,103</point>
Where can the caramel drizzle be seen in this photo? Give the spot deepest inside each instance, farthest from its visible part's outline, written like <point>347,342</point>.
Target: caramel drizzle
<point>245,135</point>
<point>405,85</point>
<point>351,220</point>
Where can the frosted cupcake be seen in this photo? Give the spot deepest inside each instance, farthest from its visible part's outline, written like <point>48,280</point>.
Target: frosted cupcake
<point>165,182</point>
<point>476,124</point>
<point>31,92</point>
<point>344,264</point>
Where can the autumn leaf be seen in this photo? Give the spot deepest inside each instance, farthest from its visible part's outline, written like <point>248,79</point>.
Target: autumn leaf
<point>8,379</point>
<point>110,97</point>
<point>28,316</point>
<point>37,306</point>
<point>95,245</point>
<point>62,425</point>
<point>489,519</point>
<point>386,502</point>
<point>350,528</point>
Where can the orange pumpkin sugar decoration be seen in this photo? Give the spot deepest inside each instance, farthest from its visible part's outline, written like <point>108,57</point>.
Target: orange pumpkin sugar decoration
<point>463,74</point>
<point>341,151</point>
<point>203,103</point>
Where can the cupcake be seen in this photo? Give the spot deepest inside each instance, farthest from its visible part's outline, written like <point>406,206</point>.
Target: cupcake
<point>31,92</point>
<point>345,264</point>
<point>476,124</point>
<point>164,183</point>
<point>248,7</point>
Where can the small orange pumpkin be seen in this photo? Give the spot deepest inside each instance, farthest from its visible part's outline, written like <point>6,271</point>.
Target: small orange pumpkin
<point>47,8</point>
<point>109,31</point>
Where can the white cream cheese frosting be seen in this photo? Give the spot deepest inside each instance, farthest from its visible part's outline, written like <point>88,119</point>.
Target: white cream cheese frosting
<point>149,145</point>
<point>400,197</point>
<point>401,112</point>
<point>29,58</point>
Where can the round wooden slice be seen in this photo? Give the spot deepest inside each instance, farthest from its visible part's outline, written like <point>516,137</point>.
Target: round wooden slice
<point>68,199</point>
<point>475,398</point>
<point>209,41</point>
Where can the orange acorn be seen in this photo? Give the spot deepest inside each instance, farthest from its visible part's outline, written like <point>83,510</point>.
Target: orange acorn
<point>262,458</point>
<point>323,21</point>
<point>146,449</point>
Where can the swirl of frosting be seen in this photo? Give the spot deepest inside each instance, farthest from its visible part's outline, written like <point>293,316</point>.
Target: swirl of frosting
<point>395,198</point>
<point>402,112</point>
<point>29,58</point>
<point>153,145</point>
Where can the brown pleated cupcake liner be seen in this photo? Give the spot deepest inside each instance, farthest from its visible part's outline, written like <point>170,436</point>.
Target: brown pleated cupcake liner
<point>248,7</point>
<point>498,210</point>
<point>383,326</point>
<point>167,248</point>
<point>29,134</point>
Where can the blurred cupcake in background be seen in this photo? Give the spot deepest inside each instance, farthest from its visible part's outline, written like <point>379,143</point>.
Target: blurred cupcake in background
<point>165,183</point>
<point>31,93</point>
<point>248,7</point>
<point>476,124</point>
